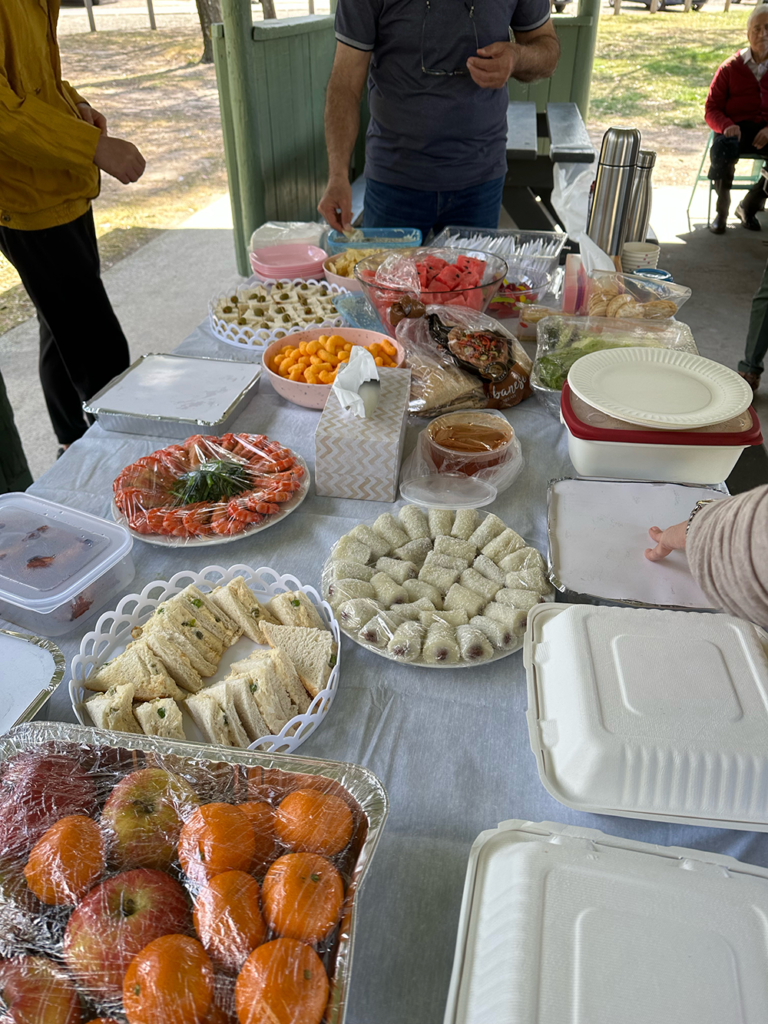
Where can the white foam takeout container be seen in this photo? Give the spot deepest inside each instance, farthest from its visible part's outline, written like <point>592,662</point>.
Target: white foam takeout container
<point>652,714</point>
<point>566,924</point>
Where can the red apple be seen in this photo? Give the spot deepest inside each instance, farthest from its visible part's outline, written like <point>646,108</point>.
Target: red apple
<point>115,921</point>
<point>36,789</point>
<point>34,990</point>
<point>143,818</point>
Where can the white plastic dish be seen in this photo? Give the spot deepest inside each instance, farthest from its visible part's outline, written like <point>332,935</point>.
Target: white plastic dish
<point>566,924</point>
<point>650,714</point>
<point>113,633</point>
<point>32,671</point>
<point>659,387</point>
<point>58,565</point>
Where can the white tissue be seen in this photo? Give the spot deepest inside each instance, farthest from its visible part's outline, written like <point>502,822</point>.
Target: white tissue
<point>350,384</point>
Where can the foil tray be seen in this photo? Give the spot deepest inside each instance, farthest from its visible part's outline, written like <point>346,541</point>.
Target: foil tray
<point>19,675</point>
<point>361,784</point>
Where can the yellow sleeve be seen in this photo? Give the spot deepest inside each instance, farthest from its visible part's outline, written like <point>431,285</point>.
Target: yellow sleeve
<point>73,94</point>
<point>37,134</point>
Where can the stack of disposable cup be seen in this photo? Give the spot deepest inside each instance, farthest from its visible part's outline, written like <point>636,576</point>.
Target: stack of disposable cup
<point>639,255</point>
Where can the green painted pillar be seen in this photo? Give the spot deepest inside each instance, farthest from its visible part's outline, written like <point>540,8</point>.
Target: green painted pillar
<point>589,14</point>
<point>238,26</point>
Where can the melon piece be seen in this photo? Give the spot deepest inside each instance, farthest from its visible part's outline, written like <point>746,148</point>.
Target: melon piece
<point>449,276</point>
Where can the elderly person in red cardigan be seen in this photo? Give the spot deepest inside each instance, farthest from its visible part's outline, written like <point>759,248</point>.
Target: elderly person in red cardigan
<point>737,111</point>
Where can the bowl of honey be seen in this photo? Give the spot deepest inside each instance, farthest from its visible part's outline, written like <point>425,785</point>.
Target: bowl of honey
<point>469,442</point>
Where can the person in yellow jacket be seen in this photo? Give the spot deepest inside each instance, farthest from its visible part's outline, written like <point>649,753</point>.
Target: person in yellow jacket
<point>52,146</point>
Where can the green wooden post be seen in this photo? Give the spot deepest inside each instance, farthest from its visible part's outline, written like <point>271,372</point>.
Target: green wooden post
<point>244,113</point>
<point>228,135</point>
<point>589,14</point>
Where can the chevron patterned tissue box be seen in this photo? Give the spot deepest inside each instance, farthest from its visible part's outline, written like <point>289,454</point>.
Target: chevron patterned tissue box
<point>360,458</point>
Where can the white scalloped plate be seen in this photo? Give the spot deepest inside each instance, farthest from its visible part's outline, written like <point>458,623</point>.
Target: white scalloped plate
<point>113,632</point>
<point>206,542</point>
<point>660,387</point>
<point>244,336</point>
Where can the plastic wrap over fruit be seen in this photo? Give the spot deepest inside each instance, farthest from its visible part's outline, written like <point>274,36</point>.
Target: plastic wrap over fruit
<point>151,883</point>
<point>210,487</point>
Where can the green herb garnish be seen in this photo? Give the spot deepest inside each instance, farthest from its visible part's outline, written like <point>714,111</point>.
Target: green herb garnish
<point>307,975</point>
<point>196,601</point>
<point>332,660</point>
<point>314,877</point>
<point>161,712</point>
<point>212,481</point>
<point>296,602</point>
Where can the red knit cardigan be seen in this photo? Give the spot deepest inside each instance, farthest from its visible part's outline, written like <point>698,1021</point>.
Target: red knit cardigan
<point>736,95</point>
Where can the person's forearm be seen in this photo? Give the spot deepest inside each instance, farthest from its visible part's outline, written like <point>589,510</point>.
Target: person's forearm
<point>342,123</point>
<point>537,59</point>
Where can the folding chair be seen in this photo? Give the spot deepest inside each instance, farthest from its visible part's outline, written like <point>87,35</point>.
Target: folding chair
<point>740,181</point>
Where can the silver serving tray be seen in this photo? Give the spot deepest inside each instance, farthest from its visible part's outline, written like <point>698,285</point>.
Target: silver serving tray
<point>47,688</point>
<point>165,424</point>
<point>361,784</point>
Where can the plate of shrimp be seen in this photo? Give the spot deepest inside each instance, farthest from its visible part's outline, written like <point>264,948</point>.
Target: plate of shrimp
<point>209,490</point>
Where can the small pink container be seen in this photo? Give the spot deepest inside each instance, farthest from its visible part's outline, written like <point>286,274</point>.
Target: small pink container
<point>295,259</point>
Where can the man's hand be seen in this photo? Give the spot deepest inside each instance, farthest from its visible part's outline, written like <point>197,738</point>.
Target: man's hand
<point>119,158</point>
<point>493,65</point>
<point>732,132</point>
<point>761,138</point>
<point>336,204</point>
<point>666,541</point>
<point>92,116</point>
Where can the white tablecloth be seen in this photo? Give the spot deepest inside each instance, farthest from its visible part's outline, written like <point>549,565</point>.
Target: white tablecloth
<point>451,747</point>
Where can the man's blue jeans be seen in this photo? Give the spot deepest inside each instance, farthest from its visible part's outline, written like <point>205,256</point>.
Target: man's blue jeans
<point>389,206</point>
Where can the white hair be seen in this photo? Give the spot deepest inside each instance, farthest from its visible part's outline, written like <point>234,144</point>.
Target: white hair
<point>761,8</point>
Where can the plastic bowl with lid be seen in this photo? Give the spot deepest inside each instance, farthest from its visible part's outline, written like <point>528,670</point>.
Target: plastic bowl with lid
<point>382,294</point>
<point>314,396</point>
<point>601,446</point>
<point>469,442</point>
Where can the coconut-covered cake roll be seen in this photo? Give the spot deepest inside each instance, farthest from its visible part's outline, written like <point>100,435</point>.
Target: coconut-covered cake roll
<point>343,569</point>
<point>414,610</point>
<point>390,530</point>
<point>340,591</point>
<point>456,548</point>
<point>387,591</point>
<point>488,568</point>
<point>405,645</point>
<point>473,644</point>
<point>415,550</point>
<point>490,527</point>
<point>446,561</point>
<point>465,523</point>
<point>528,579</point>
<point>414,522</point>
<point>440,522</point>
<point>439,577</point>
<point>354,614</point>
<point>504,544</point>
<point>525,599</point>
<point>441,646</point>
<point>399,571</point>
<point>515,618</point>
<point>473,580</point>
<point>502,636</point>
<point>379,630</point>
<point>457,617</point>
<point>421,589</point>
<point>523,558</point>
<point>379,545</point>
<point>463,598</point>
<point>349,549</point>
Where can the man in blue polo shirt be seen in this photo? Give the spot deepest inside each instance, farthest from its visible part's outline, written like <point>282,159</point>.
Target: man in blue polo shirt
<point>437,73</point>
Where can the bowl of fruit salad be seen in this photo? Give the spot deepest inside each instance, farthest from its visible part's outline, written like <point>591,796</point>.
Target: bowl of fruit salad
<point>450,277</point>
<point>521,287</point>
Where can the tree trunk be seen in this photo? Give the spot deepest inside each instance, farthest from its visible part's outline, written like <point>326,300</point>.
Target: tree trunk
<point>269,8</point>
<point>209,12</point>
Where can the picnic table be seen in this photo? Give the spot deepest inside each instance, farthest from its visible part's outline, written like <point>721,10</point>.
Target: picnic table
<point>450,746</point>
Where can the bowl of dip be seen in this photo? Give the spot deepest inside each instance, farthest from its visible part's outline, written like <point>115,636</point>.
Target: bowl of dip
<point>469,442</point>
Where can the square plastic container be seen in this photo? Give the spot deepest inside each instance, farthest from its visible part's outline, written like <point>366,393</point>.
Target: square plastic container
<point>568,925</point>
<point>58,566</point>
<point>599,445</point>
<point>540,250</point>
<point>650,714</point>
<point>384,238</point>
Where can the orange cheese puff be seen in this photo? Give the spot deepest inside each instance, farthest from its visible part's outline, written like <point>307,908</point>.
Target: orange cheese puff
<point>347,346</point>
<point>284,370</point>
<point>295,372</point>
<point>331,344</point>
<point>324,354</point>
<point>343,358</point>
<point>319,367</point>
<point>326,377</point>
<point>312,347</point>
<point>314,360</point>
<point>303,362</point>
<point>302,346</point>
<point>389,348</point>
<point>374,348</point>
<point>379,361</point>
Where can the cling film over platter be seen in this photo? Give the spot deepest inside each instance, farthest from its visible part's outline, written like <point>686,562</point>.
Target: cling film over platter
<point>147,881</point>
<point>462,359</point>
<point>208,487</point>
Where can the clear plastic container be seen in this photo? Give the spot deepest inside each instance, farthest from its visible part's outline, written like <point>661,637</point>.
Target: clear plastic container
<point>540,249</point>
<point>366,238</point>
<point>58,566</point>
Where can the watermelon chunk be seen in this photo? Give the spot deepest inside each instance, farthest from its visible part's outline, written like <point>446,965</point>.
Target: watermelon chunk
<point>436,286</point>
<point>450,276</point>
<point>422,272</point>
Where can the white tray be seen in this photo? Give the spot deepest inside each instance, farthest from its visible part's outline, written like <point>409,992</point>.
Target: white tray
<point>32,671</point>
<point>652,714</point>
<point>243,336</point>
<point>569,925</point>
<point>598,532</point>
<point>113,633</point>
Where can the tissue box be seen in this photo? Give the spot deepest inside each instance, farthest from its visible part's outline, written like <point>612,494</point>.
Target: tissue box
<point>360,458</point>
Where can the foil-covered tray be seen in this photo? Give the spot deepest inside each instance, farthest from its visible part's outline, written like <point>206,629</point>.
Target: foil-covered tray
<point>168,395</point>
<point>33,668</point>
<point>227,775</point>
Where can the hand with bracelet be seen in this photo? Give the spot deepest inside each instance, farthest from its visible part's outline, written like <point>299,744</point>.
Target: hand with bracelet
<point>673,538</point>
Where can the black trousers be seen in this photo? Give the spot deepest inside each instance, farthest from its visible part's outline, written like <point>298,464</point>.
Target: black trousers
<point>14,471</point>
<point>82,346</point>
<point>724,152</point>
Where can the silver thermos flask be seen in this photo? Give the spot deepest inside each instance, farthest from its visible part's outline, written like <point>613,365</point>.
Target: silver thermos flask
<point>607,225</point>
<point>639,216</point>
